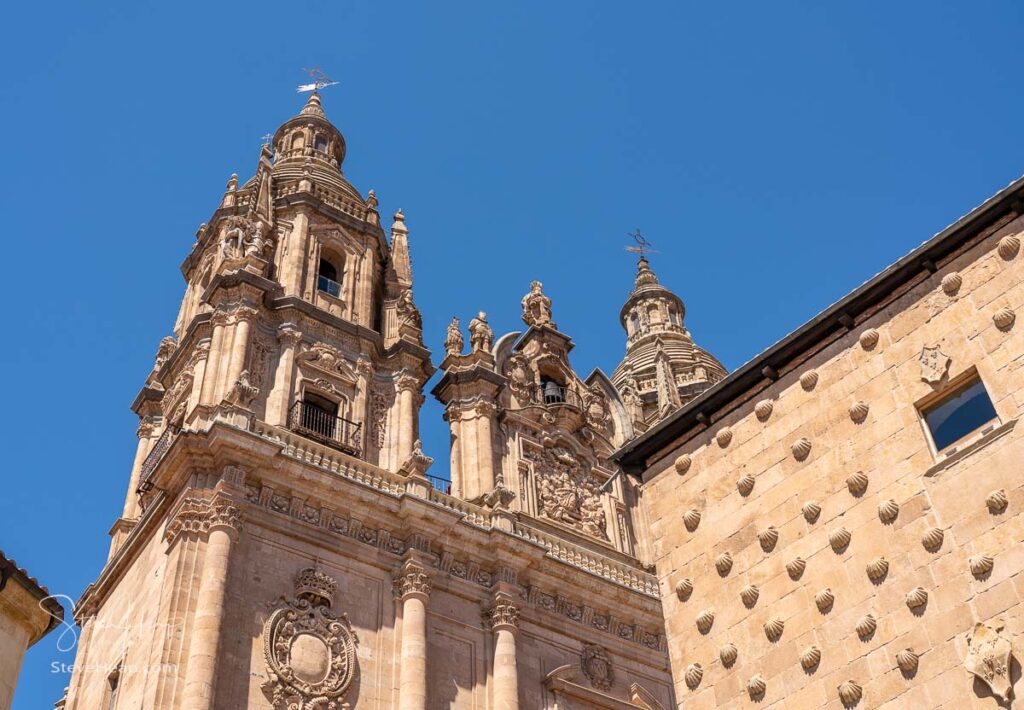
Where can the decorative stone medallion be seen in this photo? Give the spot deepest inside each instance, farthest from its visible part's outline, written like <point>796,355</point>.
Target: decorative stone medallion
<point>310,652</point>
<point>988,658</point>
<point>597,666</point>
<point>934,364</point>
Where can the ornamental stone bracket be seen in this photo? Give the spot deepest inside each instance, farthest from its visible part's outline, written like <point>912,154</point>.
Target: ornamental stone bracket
<point>989,658</point>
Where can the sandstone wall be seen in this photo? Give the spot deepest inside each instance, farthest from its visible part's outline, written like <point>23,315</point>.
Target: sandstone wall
<point>891,448</point>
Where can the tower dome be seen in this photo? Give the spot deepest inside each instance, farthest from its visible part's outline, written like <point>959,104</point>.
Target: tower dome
<point>663,368</point>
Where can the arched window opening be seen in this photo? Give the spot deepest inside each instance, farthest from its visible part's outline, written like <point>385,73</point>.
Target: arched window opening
<point>552,391</point>
<point>328,279</point>
<point>298,140</point>
<point>319,415</point>
<point>320,144</point>
<point>654,313</point>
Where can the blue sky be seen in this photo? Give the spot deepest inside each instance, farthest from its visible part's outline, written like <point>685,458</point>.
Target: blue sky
<point>777,154</point>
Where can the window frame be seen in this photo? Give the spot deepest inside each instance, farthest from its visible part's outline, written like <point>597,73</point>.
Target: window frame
<point>955,387</point>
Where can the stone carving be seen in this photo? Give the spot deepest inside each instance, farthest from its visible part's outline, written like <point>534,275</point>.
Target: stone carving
<point>521,377</point>
<point>810,658</point>
<point>877,569</point>
<point>888,511</point>
<point>997,501</point>
<point>503,613</point>
<point>932,539</point>
<point>705,620</point>
<point>408,313</point>
<point>1009,246</point>
<point>934,364</point>
<point>850,693</point>
<point>481,337</point>
<point>242,237</point>
<point>839,539</point>
<point>801,448</point>
<point>1004,318</point>
<point>857,483</point>
<point>809,380</point>
<point>773,628</point>
<point>745,484</point>
<point>869,339</point>
<point>723,563</point>
<point>811,511</point>
<point>453,342</point>
<point>988,658</point>
<point>536,306</point>
<point>243,392</point>
<point>768,537</point>
<point>694,673</point>
<point>824,600</point>
<point>981,564</point>
<point>917,598</point>
<point>691,519</point>
<point>796,567</point>
<point>378,417</point>
<point>866,626</point>
<point>200,516</point>
<point>684,589</point>
<point>724,436</point>
<point>324,357</point>
<point>164,351</point>
<point>763,410</point>
<point>411,579</point>
<point>683,463</point>
<point>596,409</point>
<point>756,687</point>
<point>951,283</point>
<point>728,654</point>
<point>907,661</point>
<point>859,412</point>
<point>749,595</point>
<point>568,492</point>
<point>310,652</point>
<point>597,666</point>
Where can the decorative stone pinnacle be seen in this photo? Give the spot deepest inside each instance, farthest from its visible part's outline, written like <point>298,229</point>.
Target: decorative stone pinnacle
<point>313,107</point>
<point>644,275</point>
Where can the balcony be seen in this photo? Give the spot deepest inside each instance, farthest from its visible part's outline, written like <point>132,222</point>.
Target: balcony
<point>442,485</point>
<point>316,423</point>
<point>551,394</point>
<point>328,286</point>
<point>155,454</point>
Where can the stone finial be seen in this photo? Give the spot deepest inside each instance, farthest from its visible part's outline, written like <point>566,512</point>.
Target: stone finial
<point>536,306</point>
<point>418,462</point>
<point>399,222</point>
<point>453,342</point>
<point>232,182</point>
<point>313,107</point>
<point>371,200</point>
<point>481,337</point>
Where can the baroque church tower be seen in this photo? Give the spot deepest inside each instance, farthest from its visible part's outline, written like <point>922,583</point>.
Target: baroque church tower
<point>281,545</point>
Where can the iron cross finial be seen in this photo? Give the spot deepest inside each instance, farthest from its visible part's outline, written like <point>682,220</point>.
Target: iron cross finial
<point>320,80</point>
<point>266,138</point>
<point>643,247</point>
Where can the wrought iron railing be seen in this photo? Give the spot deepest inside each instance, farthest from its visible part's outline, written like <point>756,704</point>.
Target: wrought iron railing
<point>316,423</point>
<point>155,454</point>
<point>551,394</point>
<point>328,286</point>
<point>440,484</point>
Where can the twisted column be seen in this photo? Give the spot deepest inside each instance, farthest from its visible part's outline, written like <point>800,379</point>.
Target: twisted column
<point>412,585</point>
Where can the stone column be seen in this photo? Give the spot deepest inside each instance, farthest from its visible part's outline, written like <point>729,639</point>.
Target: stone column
<point>503,619</point>
<point>295,255</point>
<point>201,356</point>
<point>239,345</point>
<point>454,417</point>
<point>279,401</point>
<point>209,394</point>
<point>485,412</point>
<point>412,585</point>
<point>361,407</point>
<point>223,522</point>
<point>407,386</point>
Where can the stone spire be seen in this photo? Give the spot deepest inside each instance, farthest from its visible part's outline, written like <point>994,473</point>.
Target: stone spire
<point>663,368</point>
<point>400,250</point>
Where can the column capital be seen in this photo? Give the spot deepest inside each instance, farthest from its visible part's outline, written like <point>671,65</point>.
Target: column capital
<point>407,381</point>
<point>289,334</point>
<point>502,613</point>
<point>199,516</point>
<point>412,580</point>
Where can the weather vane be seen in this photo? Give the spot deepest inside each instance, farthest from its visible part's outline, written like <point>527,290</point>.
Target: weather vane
<point>320,81</point>
<point>643,247</point>
<point>266,138</point>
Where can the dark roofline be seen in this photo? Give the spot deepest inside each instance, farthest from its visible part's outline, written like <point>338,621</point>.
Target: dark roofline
<point>840,318</point>
<point>9,570</point>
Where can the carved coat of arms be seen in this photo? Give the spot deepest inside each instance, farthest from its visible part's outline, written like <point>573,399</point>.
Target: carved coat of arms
<point>988,659</point>
<point>934,364</point>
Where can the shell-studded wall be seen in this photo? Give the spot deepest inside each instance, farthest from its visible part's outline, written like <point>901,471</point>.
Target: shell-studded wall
<point>859,558</point>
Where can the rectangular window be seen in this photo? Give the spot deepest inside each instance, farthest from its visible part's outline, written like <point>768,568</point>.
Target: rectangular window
<point>958,414</point>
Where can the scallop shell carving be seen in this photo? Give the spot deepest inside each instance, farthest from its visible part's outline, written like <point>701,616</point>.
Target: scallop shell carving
<point>749,595</point>
<point>869,339</point>
<point>866,626</point>
<point>723,563</point>
<point>877,569</point>
<point>694,673</point>
<point>684,588</point>
<point>888,511</point>
<point>857,483</point>
<point>839,539</point>
<point>683,464</point>
<point>796,568</point>
<point>917,597</point>
<point>811,511</point>
<point>1004,318</point>
<point>982,564</point>
<point>691,519</point>
<point>859,411</point>
<point>907,660</point>
<point>951,283</point>
<point>809,380</point>
<point>810,658</point>
<point>824,600</point>
<point>728,654</point>
<point>724,436</point>
<point>768,537</point>
<point>773,628</point>
<point>850,693</point>
<point>932,539</point>
<point>756,686</point>
<point>997,501</point>
<point>745,484</point>
<point>704,621</point>
<point>763,410</point>
<point>1009,246</point>
<point>801,448</point>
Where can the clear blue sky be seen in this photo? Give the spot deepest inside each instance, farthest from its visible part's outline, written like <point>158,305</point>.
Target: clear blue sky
<point>777,154</point>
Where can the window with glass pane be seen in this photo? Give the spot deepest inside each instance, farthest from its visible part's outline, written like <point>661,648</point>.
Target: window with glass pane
<point>964,411</point>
